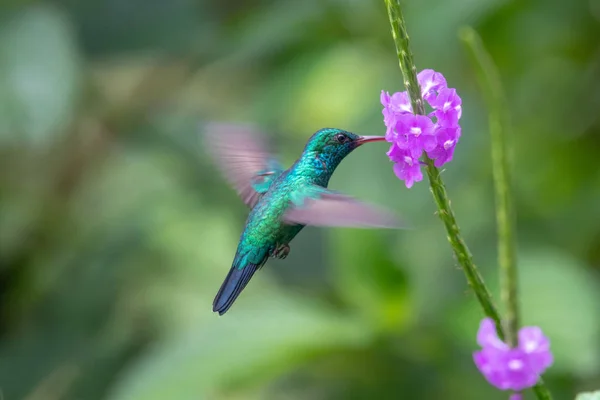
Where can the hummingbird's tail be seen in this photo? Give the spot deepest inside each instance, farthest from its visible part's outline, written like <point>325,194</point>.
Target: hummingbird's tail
<point>238,277</point>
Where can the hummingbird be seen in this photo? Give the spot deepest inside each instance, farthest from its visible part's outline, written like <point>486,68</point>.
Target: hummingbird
<point>283,201</point>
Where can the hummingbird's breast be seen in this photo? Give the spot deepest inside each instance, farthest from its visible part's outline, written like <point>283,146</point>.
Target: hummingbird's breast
<point>265,226</point>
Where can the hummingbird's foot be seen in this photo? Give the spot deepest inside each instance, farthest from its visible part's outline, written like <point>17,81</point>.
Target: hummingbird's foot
<point>281,251</point>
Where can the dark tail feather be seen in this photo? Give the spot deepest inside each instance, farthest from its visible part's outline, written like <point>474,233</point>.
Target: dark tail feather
<point>234,283</point>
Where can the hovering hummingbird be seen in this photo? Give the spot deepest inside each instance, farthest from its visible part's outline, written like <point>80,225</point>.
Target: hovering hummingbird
<point>283,201</point>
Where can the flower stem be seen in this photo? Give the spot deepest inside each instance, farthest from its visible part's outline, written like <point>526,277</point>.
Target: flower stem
<point>489,81</point>
<point>499,125</point>
<point>409,72</point>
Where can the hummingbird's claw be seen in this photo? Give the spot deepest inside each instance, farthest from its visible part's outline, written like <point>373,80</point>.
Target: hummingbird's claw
<point>281,251</point>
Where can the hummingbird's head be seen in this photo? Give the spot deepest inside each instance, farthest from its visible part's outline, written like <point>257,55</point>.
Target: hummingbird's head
<point>328,147</point>
<point>332,144</point>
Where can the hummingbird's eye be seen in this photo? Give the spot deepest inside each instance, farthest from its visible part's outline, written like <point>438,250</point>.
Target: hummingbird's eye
<point>341,138</point>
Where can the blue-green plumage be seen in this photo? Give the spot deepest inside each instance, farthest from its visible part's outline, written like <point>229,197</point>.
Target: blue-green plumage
<point>283,202</point>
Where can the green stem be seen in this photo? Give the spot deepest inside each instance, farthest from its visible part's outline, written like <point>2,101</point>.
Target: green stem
<point>438,189</point>
<point>499,125</point>
<point>409,72</point>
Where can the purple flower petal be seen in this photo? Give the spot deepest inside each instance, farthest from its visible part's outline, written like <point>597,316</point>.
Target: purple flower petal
<point>409,146</point>
<point>400,103</point>
<point>537,346</point>
<point>407,168</point>
<point>409,174</point>
<point>389,119</point>
<point>532,340</point>
<point>489,363</point>
<point>448,107</point>
<point>416,124</point>
<point>431,82</point>
<point>518,372</point>
<point>446,143</point>
<point>506,370</point>
<point>487,336</point>
<point>447,99</point>
<point>394,106</point>
<point>516,396</point>
<point>415,133</point>
<point>512,369</point>
<point>442,154</point>
<point>428,142</point>
<point>447,118</point>
<point>395,153</point>
<point>385,99</point>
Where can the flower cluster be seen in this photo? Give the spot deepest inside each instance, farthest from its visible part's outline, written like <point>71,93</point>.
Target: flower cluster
<point>512,368</point>
<point>410,134</point>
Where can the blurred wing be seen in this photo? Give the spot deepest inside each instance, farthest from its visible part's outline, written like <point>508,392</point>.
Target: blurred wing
<point>242,155</point>
<point>319,206</point>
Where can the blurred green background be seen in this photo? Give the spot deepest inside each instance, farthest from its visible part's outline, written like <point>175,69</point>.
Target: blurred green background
<point>116,230</point>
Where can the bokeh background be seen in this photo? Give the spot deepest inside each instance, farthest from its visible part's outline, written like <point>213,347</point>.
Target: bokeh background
<point>116,230</point>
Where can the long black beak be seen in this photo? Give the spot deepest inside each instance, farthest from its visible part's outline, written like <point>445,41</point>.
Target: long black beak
<point>366,139</point>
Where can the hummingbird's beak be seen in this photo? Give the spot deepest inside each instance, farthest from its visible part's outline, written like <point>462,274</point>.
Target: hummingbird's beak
<point>366,139</point>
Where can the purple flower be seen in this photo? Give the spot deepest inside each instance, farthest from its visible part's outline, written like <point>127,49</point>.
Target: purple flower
<point>395,105</point>
<point>430,82</point>
<point>536,346</point>
<point>447,107</point>
<point>406,167</point>
<point>436,134</point>
<point>417,134</point>
<point>512,368</point>
<point>400,103</point>
<point>446,139</point>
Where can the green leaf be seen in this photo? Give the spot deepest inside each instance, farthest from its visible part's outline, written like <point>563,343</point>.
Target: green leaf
<point>257,340</point>
<point>39,75</point>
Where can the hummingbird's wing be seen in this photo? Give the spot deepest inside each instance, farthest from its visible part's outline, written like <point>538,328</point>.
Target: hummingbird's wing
<point>242,154</point>
<point>318,206</point>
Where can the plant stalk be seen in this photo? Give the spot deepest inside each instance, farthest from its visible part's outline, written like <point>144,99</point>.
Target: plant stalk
<point>489,82</point>
<point>499,120</point>
<point>474,279</point>
<point>461,251</point>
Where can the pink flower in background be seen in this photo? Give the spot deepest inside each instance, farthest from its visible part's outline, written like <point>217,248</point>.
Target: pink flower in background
<point>512,368</point>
